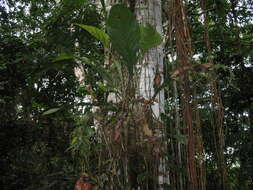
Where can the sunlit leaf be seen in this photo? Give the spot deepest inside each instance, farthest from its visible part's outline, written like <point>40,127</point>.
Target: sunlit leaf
<point>50,111</point>
<point>74,140</point>
<point>97,33</point>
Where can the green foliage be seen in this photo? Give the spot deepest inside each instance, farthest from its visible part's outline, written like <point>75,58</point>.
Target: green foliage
<point>124,33</point>
<point>97,33</point>
<point>51,111</point>
<point>63,58</point>
<point>73,3</point>
<point>128,37</point>
<point>149,37</point>
<point>34,78</point>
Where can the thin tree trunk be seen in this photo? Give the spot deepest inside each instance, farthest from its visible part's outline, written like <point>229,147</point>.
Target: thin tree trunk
<point>184,53</point>
<point>199,144</point>
<point>177,126</point>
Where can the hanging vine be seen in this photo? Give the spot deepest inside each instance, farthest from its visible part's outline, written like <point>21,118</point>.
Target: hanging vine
<point>184,53</point>
<point>217,110</point>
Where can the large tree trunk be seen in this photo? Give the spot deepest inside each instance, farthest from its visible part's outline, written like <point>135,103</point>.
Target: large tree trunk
<point>150,12</point>
<point>151,77</point>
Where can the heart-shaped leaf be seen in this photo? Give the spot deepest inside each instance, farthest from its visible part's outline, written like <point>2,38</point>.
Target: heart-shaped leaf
<point>124,33</point>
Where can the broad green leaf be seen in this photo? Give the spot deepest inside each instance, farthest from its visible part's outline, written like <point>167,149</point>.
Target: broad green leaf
<point>97,33</point>
<point>124,33</point>
<point>63,58</point>
<point>149,37</point>
<point>50,111</point>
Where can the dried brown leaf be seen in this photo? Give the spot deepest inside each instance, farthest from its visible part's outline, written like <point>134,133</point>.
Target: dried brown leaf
<point>148,132</point>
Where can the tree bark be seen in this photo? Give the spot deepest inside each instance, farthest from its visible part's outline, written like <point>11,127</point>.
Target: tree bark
<point>150,12</point>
